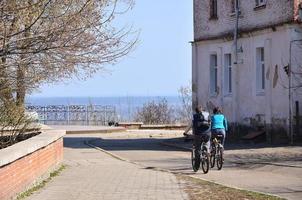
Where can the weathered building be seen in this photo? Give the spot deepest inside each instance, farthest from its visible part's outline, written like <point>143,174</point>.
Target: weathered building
<point>250,83</point>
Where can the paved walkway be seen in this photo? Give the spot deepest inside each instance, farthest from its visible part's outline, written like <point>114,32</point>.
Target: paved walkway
<point>92,174</point>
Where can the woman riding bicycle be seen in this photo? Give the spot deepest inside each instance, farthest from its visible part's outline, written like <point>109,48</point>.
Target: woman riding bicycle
<point>219,124</point>
<point>201,128</point>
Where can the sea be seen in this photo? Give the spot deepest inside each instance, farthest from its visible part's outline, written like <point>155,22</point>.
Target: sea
<point>126,106</point>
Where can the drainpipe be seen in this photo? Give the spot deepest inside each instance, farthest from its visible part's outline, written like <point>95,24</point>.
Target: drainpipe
<point>194,75</point>
<point>221,78</point>
<point>236,31</point>
<point>236,96</point>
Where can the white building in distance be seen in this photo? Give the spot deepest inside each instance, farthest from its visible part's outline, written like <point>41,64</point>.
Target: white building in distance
<point>254,90</point>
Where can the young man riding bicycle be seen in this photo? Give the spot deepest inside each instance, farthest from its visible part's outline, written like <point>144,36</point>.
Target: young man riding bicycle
<point>202,134</point>
<point>201,128</point>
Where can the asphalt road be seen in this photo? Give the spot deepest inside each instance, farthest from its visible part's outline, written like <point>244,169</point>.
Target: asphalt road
<point>276,170</point>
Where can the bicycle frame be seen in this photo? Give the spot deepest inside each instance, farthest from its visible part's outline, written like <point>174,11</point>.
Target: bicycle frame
<point>200,156</point>
<point>216,153</point>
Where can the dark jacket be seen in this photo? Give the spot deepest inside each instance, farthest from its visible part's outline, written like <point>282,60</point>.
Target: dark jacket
<point>201,123</point>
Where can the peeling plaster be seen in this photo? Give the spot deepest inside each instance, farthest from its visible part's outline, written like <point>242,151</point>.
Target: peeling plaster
<point>276,77</point>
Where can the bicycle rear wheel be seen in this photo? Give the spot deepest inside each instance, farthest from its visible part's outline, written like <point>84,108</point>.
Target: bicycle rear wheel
<point>213,155</point>
<point>205,163</point>
<point>195,158</point>
<point>219,158</point>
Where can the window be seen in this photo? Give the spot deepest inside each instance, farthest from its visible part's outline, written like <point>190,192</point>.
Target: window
<point>213,9</point>
<point>233,6</point>
<point>260,2</point>
<point>227,74</point>
<point>260,70</point>
<point>213,74</point>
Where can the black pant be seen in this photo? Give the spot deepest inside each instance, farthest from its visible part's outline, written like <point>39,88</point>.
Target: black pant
<point>204,137</point>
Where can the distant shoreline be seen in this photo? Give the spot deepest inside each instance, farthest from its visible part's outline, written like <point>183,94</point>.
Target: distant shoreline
<point>114,96</point>
<point>126,106</point>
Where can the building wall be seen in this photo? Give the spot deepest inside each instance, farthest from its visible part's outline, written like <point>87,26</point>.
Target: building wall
<point>245,105</point>
<point>275,12</point>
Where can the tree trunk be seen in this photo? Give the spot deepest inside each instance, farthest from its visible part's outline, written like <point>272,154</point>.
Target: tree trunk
<point>21,71</point>
<point>6,94</point>
<point>21,89</point>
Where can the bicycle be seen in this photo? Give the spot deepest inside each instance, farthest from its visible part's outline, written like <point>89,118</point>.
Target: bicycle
<point>200,156</point>
<point>216,152</point>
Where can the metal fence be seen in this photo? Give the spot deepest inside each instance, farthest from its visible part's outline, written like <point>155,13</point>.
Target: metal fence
<point>74,114</point>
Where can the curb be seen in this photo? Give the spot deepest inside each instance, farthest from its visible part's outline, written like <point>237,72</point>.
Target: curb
<point>115,130</point>
<point>237,188</point>
<point>87,142</point>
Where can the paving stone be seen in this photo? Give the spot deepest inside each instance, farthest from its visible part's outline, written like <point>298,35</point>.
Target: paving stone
<point>92,175</point>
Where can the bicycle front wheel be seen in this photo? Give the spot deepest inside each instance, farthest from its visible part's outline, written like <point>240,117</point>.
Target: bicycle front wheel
<point>205,163</point>
<point>195,158</point>
<point>219,158</point>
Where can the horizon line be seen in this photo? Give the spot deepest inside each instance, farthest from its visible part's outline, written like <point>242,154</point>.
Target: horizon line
<point>104,96</point>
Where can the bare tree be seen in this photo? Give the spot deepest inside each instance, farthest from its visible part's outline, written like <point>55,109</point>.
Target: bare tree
<point>185,111</point>
<point>155,113</point>
<point>44,41</point>
<point>14,124</point>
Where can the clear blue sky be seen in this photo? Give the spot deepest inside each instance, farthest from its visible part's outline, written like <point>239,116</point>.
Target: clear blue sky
<point>159,65</point>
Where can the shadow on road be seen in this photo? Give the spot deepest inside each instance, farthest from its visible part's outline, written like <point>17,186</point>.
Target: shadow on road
<point>187,143</point>
<point>77,142</point>
<point>143,144</point>
<point>243,161</point>
<point>153,144</point>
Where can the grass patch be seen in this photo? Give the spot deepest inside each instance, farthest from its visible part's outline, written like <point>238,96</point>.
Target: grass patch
<point>42,184</point>
<point>198,189</point>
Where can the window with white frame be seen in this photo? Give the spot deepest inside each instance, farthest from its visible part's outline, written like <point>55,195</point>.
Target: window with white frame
<point>213,74</point>
<point>227,74</point>
<point>213,9</point>
<point>260,70</point>
<point>233,6</point>
<point>260,2</point>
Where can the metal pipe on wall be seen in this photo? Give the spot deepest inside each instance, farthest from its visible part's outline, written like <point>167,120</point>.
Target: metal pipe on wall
<point>236,96</point>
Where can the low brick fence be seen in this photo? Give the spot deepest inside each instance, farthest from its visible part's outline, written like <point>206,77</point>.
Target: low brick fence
<point>141,125</point>
<point>131,125</point>
<point>166,126</point>
<point>26,163</point>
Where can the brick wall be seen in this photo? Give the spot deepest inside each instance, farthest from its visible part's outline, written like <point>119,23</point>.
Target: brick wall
<point>22,173</point>
<point>275,12</point>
